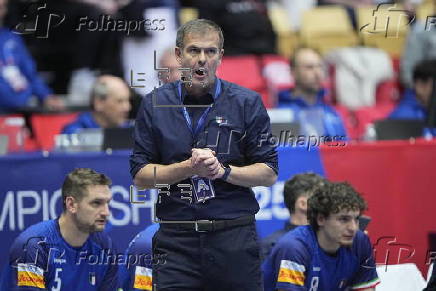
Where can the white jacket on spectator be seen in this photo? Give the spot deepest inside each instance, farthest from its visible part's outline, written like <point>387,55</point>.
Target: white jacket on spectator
<point>358,72</point>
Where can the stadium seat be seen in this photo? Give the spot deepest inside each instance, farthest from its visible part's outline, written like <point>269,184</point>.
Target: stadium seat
<point>13,127</point>
<point>367,115</point>
<point>187,14</point>
<point>287,39</point>
<point>384,26</point>
<point>245,71</point>
<point>349,119</point>
<point>404,277</point>
<point>426,9</point>
<point>47,126</point>
<point>327,27</point>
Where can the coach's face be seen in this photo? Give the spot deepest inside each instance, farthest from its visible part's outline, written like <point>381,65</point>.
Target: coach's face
<point>340,228</point>
<point>202,54</point>
<point>92,211</point>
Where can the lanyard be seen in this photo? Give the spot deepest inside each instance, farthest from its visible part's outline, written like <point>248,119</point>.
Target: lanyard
<point>202,119</point>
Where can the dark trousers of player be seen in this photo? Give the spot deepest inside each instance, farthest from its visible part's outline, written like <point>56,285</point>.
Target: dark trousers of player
<point>224,260</point>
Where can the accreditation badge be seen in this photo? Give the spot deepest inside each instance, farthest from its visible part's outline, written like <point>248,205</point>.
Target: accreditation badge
<point>203,189</point>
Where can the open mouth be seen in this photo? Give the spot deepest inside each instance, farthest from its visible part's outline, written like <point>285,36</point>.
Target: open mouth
<point>200,72</point>
<point>101,221</point>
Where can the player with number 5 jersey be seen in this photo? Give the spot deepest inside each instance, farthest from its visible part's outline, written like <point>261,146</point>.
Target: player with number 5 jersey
<point>70,252</point>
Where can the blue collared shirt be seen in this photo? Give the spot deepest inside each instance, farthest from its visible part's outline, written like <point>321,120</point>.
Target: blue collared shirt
<point>234,129</point>
<point>318,119</point>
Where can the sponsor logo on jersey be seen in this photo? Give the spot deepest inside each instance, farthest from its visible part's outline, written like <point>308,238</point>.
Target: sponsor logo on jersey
<point>316,269</point>
<point>60,261</point>
<point>143,278</point>
<point>291,272</point>
<point>30,275</point>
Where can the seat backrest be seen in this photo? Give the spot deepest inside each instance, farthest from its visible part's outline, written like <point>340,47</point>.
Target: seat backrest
<point>46,126</point>
<point>243,70</point>
<point>385,20</point>
<point>366,115</point>
<point>326,20</point>
<point>404,277</point>
<point>13,127</point>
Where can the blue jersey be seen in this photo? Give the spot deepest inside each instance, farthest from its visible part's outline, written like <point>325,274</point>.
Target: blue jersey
<point>136,274</point>
<point>298,263</point>
<point>40,259</point>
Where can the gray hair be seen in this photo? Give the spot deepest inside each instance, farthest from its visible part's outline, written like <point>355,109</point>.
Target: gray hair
<point>198,26</point>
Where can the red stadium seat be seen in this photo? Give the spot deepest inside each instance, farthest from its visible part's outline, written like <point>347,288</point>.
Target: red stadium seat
<point>13,126</point>
<point>349,120</point>
<point>245,71</point>
<point>367,115</point>
<point>46,126</point>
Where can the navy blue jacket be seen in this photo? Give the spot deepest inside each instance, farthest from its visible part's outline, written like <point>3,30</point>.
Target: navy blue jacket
<point>236,128</point>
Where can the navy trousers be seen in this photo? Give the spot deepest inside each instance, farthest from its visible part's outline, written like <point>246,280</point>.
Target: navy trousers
<point>225,260</point>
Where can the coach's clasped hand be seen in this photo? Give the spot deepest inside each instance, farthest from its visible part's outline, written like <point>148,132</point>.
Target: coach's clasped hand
<point>204,163</point>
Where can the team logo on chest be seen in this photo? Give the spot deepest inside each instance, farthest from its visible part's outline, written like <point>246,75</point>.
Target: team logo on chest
<point>220,120</point>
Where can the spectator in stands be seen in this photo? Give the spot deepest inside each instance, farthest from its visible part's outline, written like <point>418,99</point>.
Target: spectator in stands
<point>110,104</point>
<point>296,192</point>
<point>168,60</point>
<point>420,45</point>
<point>245,24</point>
<point>19,80</point>
<point>415,102</point>
<point>306,100</point>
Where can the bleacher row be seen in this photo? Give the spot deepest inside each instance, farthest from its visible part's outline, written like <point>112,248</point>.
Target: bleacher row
<point>329,27</point>
<point>324,28</point>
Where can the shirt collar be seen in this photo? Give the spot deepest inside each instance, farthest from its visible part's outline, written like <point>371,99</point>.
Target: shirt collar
<point>208,98</point>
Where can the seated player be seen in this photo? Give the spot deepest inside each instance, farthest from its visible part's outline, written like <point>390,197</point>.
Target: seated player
<point>70,252</point>
<point>136,274</point>
<point>330,253</point>
<point>110,106</point>
<point>296,192</point>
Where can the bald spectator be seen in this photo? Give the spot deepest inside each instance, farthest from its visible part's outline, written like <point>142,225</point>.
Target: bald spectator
<point>168,60</point>
<point>19,80</point>
<point>110,106</point>
<point>306,100</point>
